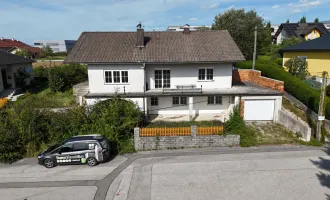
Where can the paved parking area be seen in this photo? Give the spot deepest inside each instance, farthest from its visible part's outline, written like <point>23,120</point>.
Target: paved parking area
<point>257,176</point>
<point>30,171</point>
<point>231,173</point>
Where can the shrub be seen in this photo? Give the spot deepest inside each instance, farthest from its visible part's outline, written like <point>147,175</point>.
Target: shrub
<point>60,54</point>
<point>62,78</point>
<point>296,87</point>
<point>297,67</point>
<point>236,125</point>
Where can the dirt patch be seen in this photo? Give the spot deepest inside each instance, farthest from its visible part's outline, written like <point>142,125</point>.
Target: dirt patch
<point>272,133</point>
<point>47,64</point>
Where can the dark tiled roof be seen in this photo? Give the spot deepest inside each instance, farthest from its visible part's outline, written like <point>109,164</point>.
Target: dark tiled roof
<point>319,44</point>
<point>8,58</point>
<point>300,29</point>
<point>120,47</point>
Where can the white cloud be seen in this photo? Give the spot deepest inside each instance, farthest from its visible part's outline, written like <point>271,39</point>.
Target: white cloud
<point>193,19</point>
<point>305,3</point>
<point>276,6</point>
<point>296,11</point>
<point>212,6</point>
<point>230,7</point>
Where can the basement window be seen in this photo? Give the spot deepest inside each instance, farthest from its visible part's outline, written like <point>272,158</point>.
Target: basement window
<point>214,100</point>
<point>179,101</point>
<point>154,101</point>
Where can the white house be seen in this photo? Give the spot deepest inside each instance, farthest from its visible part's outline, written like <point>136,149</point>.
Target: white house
<point>174,75</point>
<point>9,65</point>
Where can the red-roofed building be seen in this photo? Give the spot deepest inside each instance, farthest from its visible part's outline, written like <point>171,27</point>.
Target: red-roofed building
<point>13,45</point>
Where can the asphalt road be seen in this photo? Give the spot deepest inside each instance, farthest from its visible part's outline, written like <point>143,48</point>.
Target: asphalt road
<point>210,173</point>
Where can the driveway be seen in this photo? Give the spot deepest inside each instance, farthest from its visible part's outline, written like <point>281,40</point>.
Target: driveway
<point>215,173</point>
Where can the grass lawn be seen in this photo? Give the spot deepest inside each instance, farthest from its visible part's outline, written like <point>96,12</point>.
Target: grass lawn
<point>48,99</point>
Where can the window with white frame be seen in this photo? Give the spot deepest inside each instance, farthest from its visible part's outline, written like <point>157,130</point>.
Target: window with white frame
<point>115,77</point>
<point>304,58</point>
<point>205,74</point>
<point>154,101</point>
<point>179,101</point>
<point>212,100</point>
<point>162,78</point>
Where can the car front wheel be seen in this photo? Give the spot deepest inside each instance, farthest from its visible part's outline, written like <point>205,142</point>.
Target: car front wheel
<point>91,161</point>
<point>48,163</point>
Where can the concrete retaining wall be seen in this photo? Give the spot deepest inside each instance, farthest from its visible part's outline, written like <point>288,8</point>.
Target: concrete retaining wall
<point>171,142</point>
<point>309,112</point>
<point>295,125</point>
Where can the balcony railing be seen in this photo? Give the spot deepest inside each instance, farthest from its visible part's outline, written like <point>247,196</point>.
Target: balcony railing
<point>184,89</point>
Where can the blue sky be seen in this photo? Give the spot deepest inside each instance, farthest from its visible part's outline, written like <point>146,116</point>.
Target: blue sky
<point>29,20</point>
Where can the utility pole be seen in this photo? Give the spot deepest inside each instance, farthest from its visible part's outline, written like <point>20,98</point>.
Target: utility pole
<point>321,117</point>
<point>255,47</point>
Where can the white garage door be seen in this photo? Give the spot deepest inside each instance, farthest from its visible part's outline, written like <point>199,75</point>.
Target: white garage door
<point>259,110</point>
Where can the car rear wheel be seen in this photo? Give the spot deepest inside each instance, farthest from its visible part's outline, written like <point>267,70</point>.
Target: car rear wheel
<point>91,161</point>
<point>48,163</point>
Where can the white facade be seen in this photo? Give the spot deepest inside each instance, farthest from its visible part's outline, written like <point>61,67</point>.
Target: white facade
<point>141,81</point>
<point>187,74</point>
<point>97,83</point>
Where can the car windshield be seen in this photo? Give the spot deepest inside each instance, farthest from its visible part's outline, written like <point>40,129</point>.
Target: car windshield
<point>51,148</point>
<point>105,144</point>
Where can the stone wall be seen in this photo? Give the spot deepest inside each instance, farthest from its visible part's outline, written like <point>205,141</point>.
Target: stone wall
<point>173,142</point>
<point>254,76</point>
<point>295,125</point>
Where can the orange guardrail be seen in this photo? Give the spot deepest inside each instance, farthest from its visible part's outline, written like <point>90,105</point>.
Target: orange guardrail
<point>171,131</point>
<point>212,130</point>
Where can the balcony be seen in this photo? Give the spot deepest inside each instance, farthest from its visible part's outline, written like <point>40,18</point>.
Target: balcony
<point>183,89</point>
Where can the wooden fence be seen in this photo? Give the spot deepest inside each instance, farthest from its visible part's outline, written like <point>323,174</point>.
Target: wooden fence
<point>180,131</point>
<point>172,131</point>
<point>211,130</point>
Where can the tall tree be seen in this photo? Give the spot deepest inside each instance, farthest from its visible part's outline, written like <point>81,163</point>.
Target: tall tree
<point>266,41</point>
<point>46,51</point>
<point>240,25</point>
<point>303,20</point>
<point>317,20</point>
<point>287,21</point>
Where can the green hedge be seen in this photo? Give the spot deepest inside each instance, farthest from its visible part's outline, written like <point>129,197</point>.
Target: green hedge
<point>297,88</point>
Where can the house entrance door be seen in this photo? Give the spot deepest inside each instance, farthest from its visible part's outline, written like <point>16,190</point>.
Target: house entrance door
<point>4,78</point>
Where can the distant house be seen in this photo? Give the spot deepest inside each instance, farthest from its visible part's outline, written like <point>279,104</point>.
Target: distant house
<point>315,52</point>
<point>56,45</point>
<point>326,24</point>
<point>308,31</point>
<point>9,65</point>
<point>13,45</point>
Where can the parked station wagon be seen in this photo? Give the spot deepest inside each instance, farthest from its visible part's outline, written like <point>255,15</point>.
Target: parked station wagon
<point>83,149</point>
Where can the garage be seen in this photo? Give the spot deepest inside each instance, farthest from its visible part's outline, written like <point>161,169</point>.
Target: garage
<point>259,110</point>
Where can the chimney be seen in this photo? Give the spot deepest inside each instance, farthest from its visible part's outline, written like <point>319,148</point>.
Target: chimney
<point>13,39</point>
<point>1,38</point>
<point>186,29</point>
<point>139,36</point>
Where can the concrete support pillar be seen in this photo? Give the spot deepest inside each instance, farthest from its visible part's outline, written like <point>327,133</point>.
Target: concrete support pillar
<point>193,130</point>
<point>277,108</point>
<point>145,104</point>
<point>191,108</point>
<point>137,139</point>
<point>236,100</point>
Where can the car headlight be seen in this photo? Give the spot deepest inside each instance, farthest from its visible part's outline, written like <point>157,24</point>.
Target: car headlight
<point>40,156</point>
